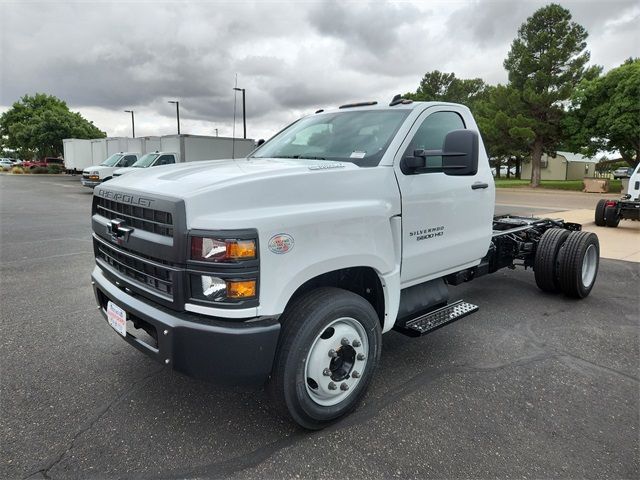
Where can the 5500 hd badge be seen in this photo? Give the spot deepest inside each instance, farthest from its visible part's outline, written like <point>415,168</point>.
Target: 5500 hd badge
<point>125,198</point>
<point>427,233</point>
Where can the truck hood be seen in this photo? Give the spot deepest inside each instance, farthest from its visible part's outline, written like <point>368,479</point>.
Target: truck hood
<point>267,194</point>
<point>123,170</point>
<point>187,180</point>
<point>97,168</point>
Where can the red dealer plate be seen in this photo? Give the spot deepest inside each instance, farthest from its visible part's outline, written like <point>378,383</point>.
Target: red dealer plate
<point>117,318</point>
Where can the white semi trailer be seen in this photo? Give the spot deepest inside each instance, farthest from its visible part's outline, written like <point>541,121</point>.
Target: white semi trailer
<point>77,154</point>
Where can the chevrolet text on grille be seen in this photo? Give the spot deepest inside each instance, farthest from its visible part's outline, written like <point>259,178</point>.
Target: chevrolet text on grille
<point>125,198</point>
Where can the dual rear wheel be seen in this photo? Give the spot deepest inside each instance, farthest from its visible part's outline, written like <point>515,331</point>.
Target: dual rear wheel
<point>567,262</point>
<point>606,214</point>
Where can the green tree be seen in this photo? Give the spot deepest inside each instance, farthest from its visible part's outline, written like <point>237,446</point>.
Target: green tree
<point>507,133</point>
<point>446,87</point>
<point>545,63</point>
<point>605,113</point>
<point>37,124</point>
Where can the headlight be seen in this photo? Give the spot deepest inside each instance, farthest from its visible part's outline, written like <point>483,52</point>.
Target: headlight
<point>94,173</point>
<point>222,250</point>
<point>219,290</point>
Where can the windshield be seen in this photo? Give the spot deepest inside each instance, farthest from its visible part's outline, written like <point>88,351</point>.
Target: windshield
<point>145,160</point>
<point>112,160</point>
<point>359,137</point>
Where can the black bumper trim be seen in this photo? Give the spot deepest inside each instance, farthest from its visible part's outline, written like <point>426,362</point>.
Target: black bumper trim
<point>222,351</point>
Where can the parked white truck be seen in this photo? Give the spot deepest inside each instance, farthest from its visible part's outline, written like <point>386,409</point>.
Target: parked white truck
<point>95,175</point>
<point>191,148</point>
<point>609,212</point>
<point>287,267</point>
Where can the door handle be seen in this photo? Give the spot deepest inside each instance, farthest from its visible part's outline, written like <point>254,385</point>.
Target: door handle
<point>478,185</point>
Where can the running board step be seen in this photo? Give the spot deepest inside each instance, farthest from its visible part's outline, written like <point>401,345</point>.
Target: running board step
<point>438,318</point>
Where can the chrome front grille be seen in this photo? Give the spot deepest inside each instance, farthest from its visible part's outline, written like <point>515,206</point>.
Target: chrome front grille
<point>143,218</point>
<point>150,273</point>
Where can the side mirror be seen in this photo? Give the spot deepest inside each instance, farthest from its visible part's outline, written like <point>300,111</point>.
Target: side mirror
<point>460,153</point>
<point>418,160</point>
<point>259,142</point>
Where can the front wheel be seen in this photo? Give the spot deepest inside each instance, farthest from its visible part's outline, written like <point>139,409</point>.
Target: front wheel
<point>329,349</point>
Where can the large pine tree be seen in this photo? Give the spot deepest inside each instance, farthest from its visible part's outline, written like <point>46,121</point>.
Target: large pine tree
<point>546,61</point>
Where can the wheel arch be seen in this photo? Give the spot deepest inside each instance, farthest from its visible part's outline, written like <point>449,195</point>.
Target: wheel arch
<point>361,280</point>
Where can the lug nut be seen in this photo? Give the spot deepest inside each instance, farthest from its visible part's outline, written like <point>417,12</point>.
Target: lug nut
<point>344,342</point>
<point>326,372</point>
<point>344,387</point>
<point>332,386</point>
<point>355,374</point>
<point>361,356</point>
<point>356,343</point>
<point>333,353</point>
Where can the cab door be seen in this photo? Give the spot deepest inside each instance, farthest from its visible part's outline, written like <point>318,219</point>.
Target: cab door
<point>446,219</point>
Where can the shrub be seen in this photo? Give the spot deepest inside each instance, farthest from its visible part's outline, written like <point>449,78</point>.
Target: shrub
<point>17,170</point>
<point>40,170</point>
<point>55,169</point>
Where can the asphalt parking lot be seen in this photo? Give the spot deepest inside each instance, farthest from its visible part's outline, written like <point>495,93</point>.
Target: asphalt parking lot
<point>532,386</point>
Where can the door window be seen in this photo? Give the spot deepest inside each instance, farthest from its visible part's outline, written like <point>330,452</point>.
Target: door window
<point>165,160</point>
<point>431,133</point>
<point>128,160</point>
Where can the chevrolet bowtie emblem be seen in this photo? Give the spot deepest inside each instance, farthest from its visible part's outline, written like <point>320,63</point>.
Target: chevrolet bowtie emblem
<point>119,231</point>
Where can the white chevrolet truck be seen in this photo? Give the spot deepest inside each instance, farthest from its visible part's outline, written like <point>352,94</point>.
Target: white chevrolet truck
<point>286,267</point>
<point>96,174</point>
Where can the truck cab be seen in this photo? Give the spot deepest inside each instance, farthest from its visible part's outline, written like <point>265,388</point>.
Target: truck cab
<point>95,175</point>
<point>154,159</point>
<point>286,267</point>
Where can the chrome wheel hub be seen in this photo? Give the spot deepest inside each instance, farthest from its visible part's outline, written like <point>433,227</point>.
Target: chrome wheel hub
<point>589,265</point>
<point>336,361</point>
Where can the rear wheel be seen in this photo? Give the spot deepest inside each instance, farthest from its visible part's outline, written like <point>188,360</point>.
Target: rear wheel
<point>546,262</point>
<point>329,349</point>
<point>578,263</point>
<point>599,217</point>
<point>611,217</point>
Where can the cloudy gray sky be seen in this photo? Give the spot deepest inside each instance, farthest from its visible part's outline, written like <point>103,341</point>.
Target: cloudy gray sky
<point>292,57</point>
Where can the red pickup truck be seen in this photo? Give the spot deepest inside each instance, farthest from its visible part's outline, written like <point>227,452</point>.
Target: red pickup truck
<point>44,162</point>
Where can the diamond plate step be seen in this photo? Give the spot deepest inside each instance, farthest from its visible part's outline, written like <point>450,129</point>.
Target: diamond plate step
<point>438,318</point>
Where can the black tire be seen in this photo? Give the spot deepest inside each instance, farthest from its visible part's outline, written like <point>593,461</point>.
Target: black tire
<point>545,265</point>
<point>611,217</point>
<point>599,217</point>
<point>572,265</point>
<point>302,323</point>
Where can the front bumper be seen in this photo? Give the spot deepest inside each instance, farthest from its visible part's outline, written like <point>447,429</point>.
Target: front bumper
<point>89,183</point>
<point>218,350</point>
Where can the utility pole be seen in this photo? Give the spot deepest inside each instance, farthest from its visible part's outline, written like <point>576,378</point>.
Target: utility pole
<point>133,124</point>
<point>177,113</point>
<point>244,111</point>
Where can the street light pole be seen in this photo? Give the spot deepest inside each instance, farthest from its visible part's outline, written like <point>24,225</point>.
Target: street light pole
<point>244,111</point>
<point>177,113</point>
<point>133,124</point>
